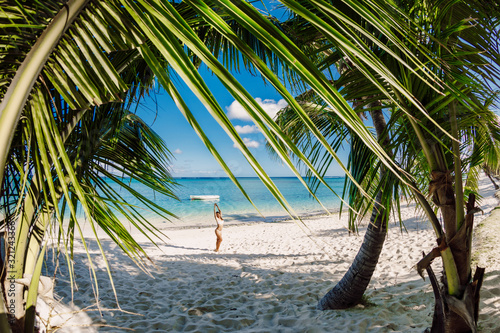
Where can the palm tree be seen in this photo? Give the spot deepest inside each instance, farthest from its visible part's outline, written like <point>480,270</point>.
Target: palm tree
<point>106,140</point>
<point>445,31</point>
<point>448,37</point>
<point>349,290</point>
<point>75,53</point>
<point>63,63</point>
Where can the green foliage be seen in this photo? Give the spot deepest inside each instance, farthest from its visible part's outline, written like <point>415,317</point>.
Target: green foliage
<point>69,71</point>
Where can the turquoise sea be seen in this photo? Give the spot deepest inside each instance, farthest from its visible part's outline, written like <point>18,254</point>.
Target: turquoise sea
<point>234,205</point>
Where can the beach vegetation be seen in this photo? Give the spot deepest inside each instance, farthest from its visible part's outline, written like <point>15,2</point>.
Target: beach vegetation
<point>69,67</point>
<point>442,156</point>
<point>65,65</point>
<point>366,301</point>
<point>363,165</point>
<point>108,147</point>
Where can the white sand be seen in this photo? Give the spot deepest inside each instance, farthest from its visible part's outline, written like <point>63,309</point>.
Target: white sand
<point>269,277</point>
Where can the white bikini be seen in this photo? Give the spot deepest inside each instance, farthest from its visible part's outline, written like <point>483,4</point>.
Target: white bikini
<point>220,222</point>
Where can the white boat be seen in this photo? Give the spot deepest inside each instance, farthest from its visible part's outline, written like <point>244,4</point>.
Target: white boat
<point>204,197</point>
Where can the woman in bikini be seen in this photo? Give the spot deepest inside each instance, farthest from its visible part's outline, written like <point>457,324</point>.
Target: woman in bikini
<point>218,230</point>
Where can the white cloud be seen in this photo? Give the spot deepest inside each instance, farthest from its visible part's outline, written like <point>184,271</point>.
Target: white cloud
<point>178,151</point>
<point>236,111</point>
<point>247,129</point>
<point>249,143</point>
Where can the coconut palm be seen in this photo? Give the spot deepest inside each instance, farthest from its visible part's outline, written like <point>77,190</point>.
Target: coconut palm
<point>464,52</point>
<point>75,53</point>
<point>60,62</point>
<point>350,289</point>
<point>107,140</point>
<point>450,38</point>
<point>364,166</point>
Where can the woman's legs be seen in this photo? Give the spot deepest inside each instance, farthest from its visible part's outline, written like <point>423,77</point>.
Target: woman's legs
<point>218,233</point>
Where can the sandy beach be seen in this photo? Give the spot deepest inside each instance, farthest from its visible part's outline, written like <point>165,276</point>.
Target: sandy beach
<point>269,277</point>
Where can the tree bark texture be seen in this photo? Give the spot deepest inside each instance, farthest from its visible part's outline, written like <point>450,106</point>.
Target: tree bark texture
<point>453,315</point>
<point>460,314</point>
<point>491,179</point>
<point>349,291</point>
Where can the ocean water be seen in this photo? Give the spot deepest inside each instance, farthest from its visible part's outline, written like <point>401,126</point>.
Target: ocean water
<point>233,204</point>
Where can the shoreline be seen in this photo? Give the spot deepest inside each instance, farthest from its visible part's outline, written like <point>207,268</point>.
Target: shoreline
<point>268,277</point>
<point>244,221</point>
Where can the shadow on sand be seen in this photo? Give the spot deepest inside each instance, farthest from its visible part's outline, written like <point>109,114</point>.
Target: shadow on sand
<point>212,292</point>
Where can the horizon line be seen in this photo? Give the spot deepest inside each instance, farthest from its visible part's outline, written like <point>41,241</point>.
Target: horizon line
<point>226,177</point>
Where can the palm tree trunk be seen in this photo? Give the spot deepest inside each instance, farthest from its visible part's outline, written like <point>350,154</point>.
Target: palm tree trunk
<point>22,84</point>
<point>459,313</point>
<point>488,173</point>
<point>350,289</point>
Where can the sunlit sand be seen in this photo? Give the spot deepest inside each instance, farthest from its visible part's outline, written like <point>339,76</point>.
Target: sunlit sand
<point>268,277</point>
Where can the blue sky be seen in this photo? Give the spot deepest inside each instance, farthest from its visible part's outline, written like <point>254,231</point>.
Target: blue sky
<point>191,157</point>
